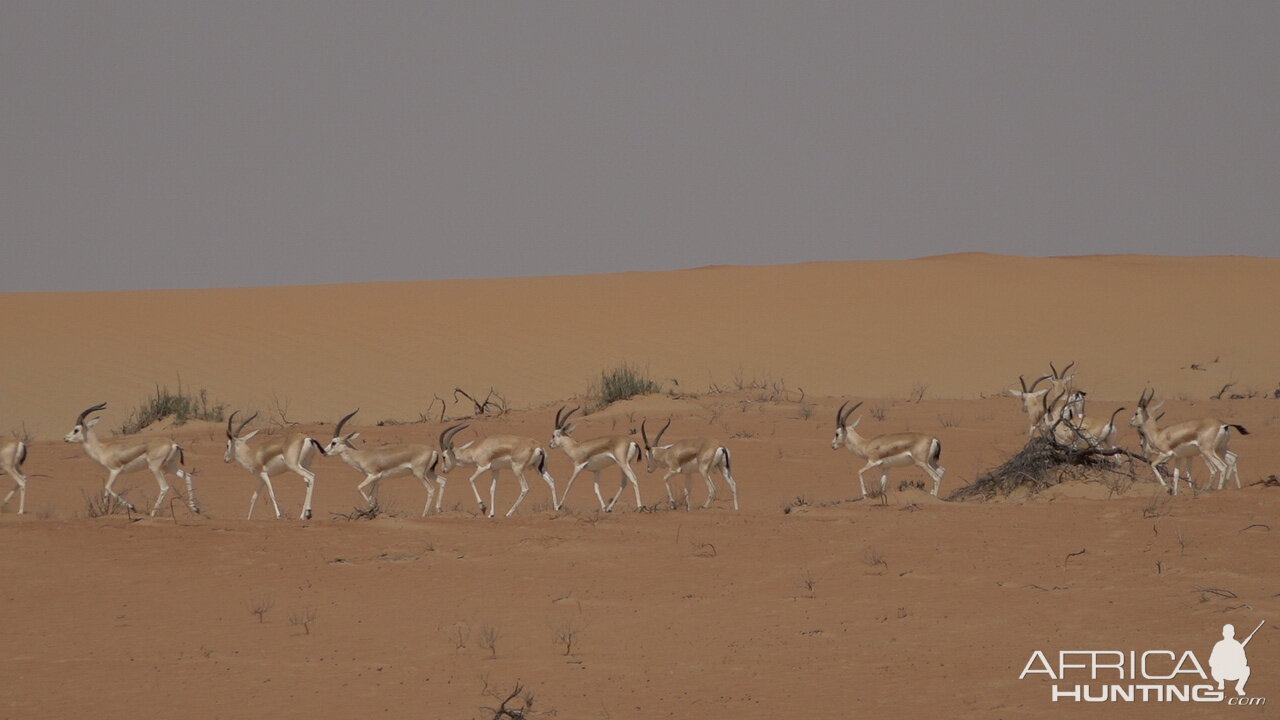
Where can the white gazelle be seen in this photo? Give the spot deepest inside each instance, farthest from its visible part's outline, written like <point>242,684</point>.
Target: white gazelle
<point>493,454</point>
<point>123,455</point>
<point>1181,442</point>
<point>390,461</point>
<point>888,451</point>
<point>293,452</point>
<point>596,455</point>
<point>12,454</point>
<point>701,455</point>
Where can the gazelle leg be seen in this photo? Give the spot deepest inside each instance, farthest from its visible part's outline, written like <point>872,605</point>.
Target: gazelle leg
<point>666,482</point>
<point>711,488</point>
<point>271,493</point>
<point>440,483</point>
<point>551,483</point>
<point>253,500</point>
<point>431,492</point>
<point>108,492</point>
<point>369,497</point>
<point>164,489</point>
<point>310,479</point>
<point>884,480</point>
<point>635,483</point>
<point>576,469</point>
<point>524,489</point>
<point>688,491</point>
<point>733,486</point>
<point>596,481</point>
<point>479,500</point>
<point>493,494</point>
<point>861,482</point>
<point>189,479</point>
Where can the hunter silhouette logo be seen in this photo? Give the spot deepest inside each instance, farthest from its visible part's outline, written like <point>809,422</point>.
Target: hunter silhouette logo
<point>1149,675</point>
<point>1228,661</point>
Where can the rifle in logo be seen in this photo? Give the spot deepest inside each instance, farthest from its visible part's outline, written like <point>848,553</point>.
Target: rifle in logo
<point>1228,660</point>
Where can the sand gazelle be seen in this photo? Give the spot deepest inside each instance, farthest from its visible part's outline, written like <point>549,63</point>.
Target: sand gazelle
<point>389,461</point>
<point>12,454</point>
<point>1228,456</point>
<point>888,451</point>
<point>123,455</point>
<point>1073,426</point>
<point>491,455</point>
<point>700,454</point>
<point>1207,438</point>
<point>1033,401</point>
<point>595,455</point>
<point>293,452</point>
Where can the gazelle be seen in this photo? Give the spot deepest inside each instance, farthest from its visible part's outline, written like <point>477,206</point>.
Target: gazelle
<point>701,455</point>
<point>390,461</point>
<point>293,452</point>
<point>1040,413</point>
<point>12,454</point>
<point>1206,438</point>
<point>1076,426</point>
<point>123,455</point>
<point>888,451</point>
<point>491,455</point>
<point>596,455</point>
<point>1228,456</point>
<point>1033,401</point>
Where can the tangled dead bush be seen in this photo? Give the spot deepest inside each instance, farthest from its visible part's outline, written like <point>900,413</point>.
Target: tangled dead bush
<point>1043,463</point>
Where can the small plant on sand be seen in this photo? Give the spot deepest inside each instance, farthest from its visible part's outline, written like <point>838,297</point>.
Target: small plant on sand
<point>620,383</point>
<point>567,634</point>
<point>303,618</point>
<point>260,606</point>
<point>917,391</point>
<point>508,705</point>
<point>96,506</point>
<point>808,581</point>
<point>489,639</point>
<point>879,412</point>
<point>181,406</point>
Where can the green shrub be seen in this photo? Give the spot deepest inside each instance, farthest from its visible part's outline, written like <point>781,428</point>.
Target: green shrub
<point>181,406</point>
<point>620,383</point>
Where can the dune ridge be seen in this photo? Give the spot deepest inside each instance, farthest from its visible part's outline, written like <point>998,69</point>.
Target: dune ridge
<point>964,325</point>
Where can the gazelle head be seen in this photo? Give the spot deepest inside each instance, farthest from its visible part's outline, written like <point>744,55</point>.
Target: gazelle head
<point>81,429</point>
<point>563,426</point>
<point>448,458</point>
<point>649,446</point>
<point>234,440</point>
<point>1060,378</point>
<point>1142,413</point>
<point>339,444</point>
<point>842,427</point>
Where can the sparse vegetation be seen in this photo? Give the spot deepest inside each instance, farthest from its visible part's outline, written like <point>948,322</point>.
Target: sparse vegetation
<point>303,618</point>
<point>97,506</point>
<point>879,411</point>
<point>260,606</point>
<point>948,419</point>
<point>567,634</point>
<point>623,382</point>
<point>182,406</point>
<point>489,639</point>
<point>808,581</point>
<point>917,391</point>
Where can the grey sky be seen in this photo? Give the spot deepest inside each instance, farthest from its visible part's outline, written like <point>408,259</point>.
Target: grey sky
<point>195,144</point>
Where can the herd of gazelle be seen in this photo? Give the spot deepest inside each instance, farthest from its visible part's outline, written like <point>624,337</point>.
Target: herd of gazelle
<point>1058,409</point>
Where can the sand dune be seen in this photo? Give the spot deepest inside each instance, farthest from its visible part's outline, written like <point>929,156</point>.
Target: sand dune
<point>807,602</point>
<point>964,325</point>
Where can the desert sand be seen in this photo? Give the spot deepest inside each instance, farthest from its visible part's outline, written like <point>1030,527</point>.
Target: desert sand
<point>806,602</point>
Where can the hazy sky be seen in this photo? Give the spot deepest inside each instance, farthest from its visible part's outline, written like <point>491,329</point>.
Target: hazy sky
<point>194,144</point>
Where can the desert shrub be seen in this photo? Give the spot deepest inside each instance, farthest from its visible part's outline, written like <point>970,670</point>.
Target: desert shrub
<point>1042,463</point>
<point>620,383</point>
<point>181,406</point>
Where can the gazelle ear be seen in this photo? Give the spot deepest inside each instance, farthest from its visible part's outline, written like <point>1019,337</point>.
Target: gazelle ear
<point>1016,393</point>
<point>468,444</point>
<point>249,437</point>
<point>854,424</point>
<point>569,428</point>
<point>352,436</point>
<point>1156,409</point>
<point>93,422</point>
